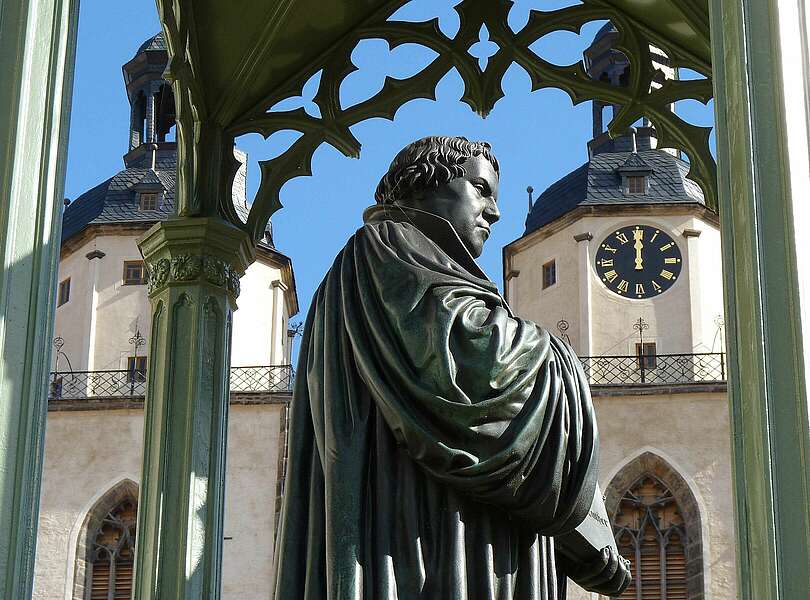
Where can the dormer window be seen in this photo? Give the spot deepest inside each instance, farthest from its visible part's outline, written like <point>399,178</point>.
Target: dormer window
<point>636,184</point>
<point>149,200</point>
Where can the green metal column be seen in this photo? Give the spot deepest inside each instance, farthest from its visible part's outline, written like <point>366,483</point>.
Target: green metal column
<point>37,49</point>
<point>767,382</point>
<point>194,264</point>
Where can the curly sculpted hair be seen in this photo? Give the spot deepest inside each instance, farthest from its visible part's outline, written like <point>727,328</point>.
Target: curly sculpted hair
<point>428,164</point>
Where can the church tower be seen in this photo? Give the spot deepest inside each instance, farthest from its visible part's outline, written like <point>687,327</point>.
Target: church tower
<point>621,257</point>
<point>626,236</point>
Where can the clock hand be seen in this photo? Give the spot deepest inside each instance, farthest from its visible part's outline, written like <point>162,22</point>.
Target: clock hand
<point>637,235</point>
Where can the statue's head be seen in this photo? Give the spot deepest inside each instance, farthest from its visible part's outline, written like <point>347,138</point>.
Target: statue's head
<point>450,177</point>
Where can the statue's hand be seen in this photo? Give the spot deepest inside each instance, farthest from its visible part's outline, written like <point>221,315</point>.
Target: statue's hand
<point>608,574</point>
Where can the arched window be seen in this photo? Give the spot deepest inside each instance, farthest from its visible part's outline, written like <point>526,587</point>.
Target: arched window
<point>112,556</point>
<point>657,525</point>
<point>105,558</point>
<point>650,533</point>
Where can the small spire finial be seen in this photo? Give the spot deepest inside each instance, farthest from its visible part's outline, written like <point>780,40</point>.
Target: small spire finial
<point>530,190</point>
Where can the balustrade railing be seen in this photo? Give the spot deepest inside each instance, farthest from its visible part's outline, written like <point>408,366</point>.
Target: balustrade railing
<point>660,369</point>
<point>122,384</point>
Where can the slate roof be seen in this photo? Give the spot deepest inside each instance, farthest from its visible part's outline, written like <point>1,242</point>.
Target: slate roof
<point>116,201</point>
<point>599,183</point>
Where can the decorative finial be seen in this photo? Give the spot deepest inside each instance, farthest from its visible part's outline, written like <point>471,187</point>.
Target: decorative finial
<point>530,190</point>
<point>562,327</point>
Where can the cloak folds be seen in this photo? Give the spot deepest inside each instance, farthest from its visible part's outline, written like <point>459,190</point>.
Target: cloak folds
<point>436,440</point>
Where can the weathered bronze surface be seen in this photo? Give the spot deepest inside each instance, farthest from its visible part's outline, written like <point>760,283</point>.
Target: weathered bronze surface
<point>440,447</point>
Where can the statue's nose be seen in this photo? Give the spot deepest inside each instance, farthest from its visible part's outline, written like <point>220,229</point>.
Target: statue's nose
<point>491,212</point>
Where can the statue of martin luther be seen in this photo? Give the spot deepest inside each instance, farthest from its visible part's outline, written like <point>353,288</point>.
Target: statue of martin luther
<point>440,448</point>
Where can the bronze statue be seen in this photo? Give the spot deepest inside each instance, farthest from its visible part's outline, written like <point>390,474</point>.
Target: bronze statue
<point>440,448</point>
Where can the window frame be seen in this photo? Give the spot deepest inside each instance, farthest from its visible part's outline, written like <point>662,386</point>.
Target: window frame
<point>145,273</point>
<point>550,266</point>
<point>142,196</point>
<point>63,292</point>
<point>136,368</point>
<point>645,360</point>
<point>630,180</point>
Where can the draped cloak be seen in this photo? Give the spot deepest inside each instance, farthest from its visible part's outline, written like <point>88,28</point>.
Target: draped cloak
<point>436,441</point>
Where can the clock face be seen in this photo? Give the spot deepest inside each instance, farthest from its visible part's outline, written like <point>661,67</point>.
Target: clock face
<point>638,261</point>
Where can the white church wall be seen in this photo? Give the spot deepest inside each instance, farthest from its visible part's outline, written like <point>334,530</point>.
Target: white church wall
<point>562,300</point>
<point>611,317</point>
<point>98,321</point>
<point>711,293</point>
<point>121,309</point>
<point>77,474</point>
<point>667,315</point>
<point>256,323</point>
<point>73,318</point>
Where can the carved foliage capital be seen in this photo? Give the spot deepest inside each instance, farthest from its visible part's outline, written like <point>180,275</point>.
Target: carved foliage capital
<point>187,268</point>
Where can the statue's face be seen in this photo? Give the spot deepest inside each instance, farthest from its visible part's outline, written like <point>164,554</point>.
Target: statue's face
<point>469,202</point>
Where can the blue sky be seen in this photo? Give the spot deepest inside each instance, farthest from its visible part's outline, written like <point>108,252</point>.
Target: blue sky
<point>538,137</point>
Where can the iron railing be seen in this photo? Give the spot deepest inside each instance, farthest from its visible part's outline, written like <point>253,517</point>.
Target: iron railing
<point>660,369</point>
<point>122,384</point>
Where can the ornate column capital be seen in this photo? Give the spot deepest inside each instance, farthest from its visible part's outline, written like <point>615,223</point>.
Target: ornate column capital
<point>192,250</point>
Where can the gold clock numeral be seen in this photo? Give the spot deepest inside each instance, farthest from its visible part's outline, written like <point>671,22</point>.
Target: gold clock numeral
<point>655,235</point>
<point>639,289</point>
<point>606,262</point>
<point>668,275</point>
<point>609,248</point>
<point>670,261</point>
<point>666,247</point>
<point>622,238</point>
<point>622,285</point>
<point>611,275</point>
<point>656,286</point>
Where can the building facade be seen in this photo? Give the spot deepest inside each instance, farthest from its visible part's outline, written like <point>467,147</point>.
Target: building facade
<point>94,440</point>
<point>622,258</point>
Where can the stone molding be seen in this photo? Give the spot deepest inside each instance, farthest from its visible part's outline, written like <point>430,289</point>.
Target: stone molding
<point>644,389</point>
<point>136,402</point>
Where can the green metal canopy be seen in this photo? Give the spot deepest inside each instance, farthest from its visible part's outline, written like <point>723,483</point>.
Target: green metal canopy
<point>229,64</point>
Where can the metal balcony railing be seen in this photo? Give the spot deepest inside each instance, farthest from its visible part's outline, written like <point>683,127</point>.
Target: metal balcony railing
<point>123,384</point>
<point>659,369</point>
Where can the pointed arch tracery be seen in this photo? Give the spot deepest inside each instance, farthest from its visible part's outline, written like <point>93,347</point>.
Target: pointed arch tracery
<point>106,546</point>
<point>657,524</point>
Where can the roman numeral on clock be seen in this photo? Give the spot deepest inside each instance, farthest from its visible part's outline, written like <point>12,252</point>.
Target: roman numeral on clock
<point>611,275</point>
<point>622,238</point>
<point>668,275</point>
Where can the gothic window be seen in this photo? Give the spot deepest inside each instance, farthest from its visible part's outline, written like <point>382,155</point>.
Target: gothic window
<point>105,557</point>
<point>657,523</point>
<point>549,274</point>
<point>135,272</point>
